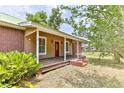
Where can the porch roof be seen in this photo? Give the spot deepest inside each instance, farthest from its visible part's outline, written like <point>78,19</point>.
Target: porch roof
<point>50,30</point>
<point>11,21</point>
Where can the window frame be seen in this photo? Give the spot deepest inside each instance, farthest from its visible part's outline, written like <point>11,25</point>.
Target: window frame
<point>68,47</point>
<point>42,37</point>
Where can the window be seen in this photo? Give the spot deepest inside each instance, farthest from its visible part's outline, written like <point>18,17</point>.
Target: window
<point>42,45</point>
<point>67,46</point>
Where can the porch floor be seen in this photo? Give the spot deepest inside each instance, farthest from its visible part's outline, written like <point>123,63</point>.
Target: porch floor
<point>48,61</point>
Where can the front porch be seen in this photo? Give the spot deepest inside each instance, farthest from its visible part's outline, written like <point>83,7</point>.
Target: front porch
<point>55,60</point>
<point>53,49</point>
<point>49,64</point>
<point>50,49</point>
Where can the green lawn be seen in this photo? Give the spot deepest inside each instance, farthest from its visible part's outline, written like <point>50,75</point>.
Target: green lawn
<point>104,61</point>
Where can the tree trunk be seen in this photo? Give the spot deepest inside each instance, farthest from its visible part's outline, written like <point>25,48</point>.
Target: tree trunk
<point>117,58</point>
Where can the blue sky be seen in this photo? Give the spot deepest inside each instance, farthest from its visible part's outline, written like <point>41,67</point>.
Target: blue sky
<point>20,11</point>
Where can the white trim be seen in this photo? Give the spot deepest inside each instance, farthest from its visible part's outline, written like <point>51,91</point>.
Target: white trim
<point>58,33</point>
<point>37,46</point>
<point>68,47</point>
<point>29,33</point>
<point>45,45</point>
<point>78,49</point>
<point>64,48</point>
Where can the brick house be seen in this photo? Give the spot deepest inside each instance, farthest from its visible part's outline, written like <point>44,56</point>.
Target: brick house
<point>45,42</point>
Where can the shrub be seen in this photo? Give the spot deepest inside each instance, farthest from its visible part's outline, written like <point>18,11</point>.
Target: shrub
<point>15,66</point>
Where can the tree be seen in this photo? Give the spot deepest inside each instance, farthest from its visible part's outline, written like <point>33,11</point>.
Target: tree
<point>102,25</point>
<point>55,19</point>
<point>41,17</point>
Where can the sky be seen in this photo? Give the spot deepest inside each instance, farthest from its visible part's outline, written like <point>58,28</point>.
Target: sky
<point>20,12</point>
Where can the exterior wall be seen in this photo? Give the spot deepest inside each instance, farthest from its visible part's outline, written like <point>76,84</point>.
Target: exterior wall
<point>11,39</point>
<point>80,48</point>
<point>30,41</point>
<point>70,47</point>
<point>74,47</point>
<point>30,45</point>
<point>51,45</point>
<point>51,39</point>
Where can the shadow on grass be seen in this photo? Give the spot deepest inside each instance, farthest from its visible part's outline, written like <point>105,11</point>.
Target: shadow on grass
<point>105,62</point>
<point>88,80</point>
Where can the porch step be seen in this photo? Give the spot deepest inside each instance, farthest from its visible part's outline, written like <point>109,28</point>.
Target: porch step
<point>48,68</point>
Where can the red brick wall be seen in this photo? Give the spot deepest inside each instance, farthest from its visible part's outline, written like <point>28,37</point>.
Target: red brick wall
<point>11,39</point>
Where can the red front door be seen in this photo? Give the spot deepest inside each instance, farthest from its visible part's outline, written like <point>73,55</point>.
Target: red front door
<point>56,49</point>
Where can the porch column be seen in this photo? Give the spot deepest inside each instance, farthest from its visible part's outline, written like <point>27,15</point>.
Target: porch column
<point>77,49</point>
<point>37,46</point>
<point>64,48</point>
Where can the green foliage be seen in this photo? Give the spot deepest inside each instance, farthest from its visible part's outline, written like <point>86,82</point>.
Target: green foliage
<point>106,61</point>
<point>41,17</point>
<point>55,19</point>
<point>15,66</point>
<point>102,25</point>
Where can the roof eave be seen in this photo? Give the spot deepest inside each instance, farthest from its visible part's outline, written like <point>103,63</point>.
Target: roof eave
<point>3,23</point>
<point>38,26</point>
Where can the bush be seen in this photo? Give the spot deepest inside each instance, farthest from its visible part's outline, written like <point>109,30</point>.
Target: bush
<point>15,66</point>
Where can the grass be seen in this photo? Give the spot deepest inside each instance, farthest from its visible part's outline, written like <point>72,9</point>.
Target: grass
<point>96,55</point>
<point>104,61</point>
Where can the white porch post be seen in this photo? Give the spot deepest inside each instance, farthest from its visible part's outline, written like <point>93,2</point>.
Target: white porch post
<point>37,46</point>
<point>77,49</point>
<point>64,48</point>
